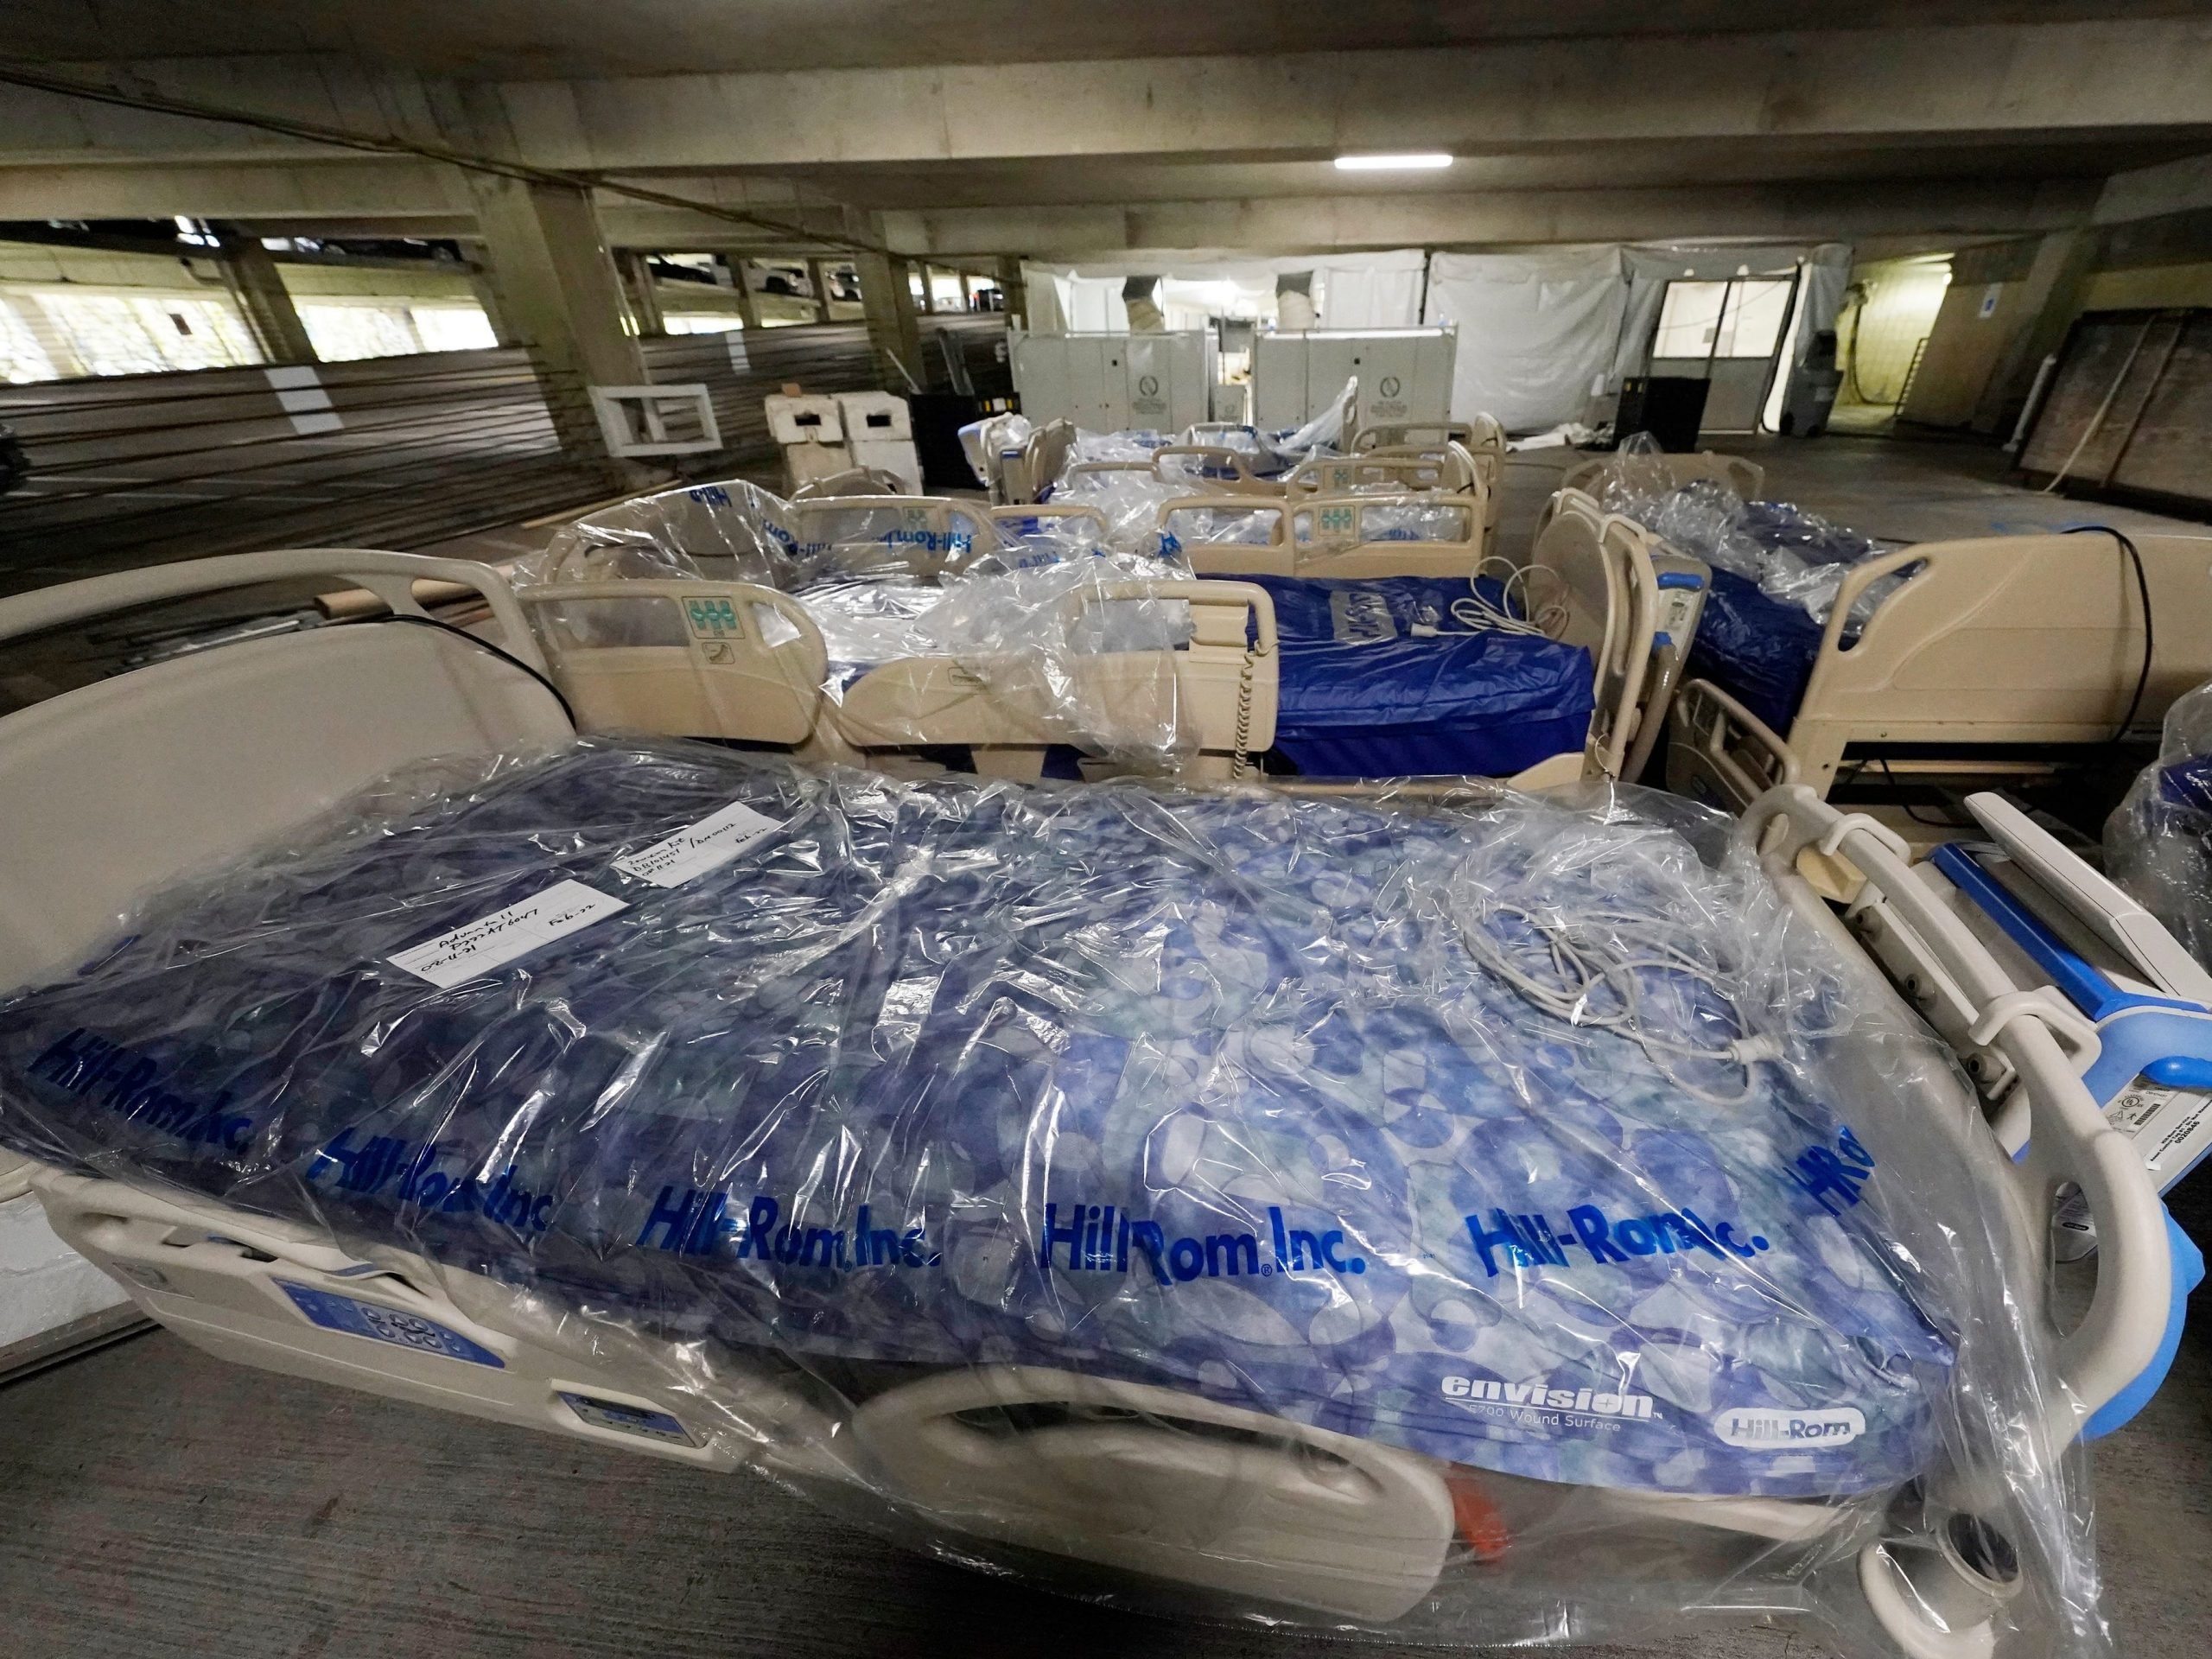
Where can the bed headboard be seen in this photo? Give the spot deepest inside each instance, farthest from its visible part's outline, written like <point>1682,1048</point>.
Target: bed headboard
<point>2009,640</point>
<point>1410,534</point>
<point>115,787</point>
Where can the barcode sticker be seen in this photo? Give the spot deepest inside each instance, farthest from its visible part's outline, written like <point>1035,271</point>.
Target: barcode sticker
<point>455,958</point>
<point>707,845</point>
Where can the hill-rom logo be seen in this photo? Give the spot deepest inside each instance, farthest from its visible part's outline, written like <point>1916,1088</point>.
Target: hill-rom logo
<point>1769,1428</point>
<point>1149,385</point>
<point>1390,386</point>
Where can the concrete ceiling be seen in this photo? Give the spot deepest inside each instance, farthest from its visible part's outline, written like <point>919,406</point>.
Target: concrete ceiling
<point>1592,165</point>
<point>521,40</point>
<point>975,127</point>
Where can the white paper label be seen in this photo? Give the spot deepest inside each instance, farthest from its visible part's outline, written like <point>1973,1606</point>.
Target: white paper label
<point>707,845</point>
<point>456,957</point>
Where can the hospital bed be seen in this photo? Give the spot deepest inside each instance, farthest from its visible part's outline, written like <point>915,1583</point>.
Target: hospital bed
<point>2001,640</point>
<point>1605,587</point>
<point>741,660</point>
<point>1482,439</point>
<point>123,785</point>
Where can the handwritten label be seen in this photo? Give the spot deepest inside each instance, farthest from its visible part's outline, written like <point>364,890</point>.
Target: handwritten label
<point>458,956</point>
<point>707,845</point>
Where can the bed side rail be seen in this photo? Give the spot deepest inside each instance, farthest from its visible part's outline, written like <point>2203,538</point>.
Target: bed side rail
<point>1722,754</point>
<point>1025,516</point>
<point>2071,1144</point>
<point>392,577</point>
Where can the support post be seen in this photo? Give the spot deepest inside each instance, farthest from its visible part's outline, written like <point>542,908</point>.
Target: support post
<point>818,272</point>
<point>637,273</point>
<point>548,264</point>
<point>257,288</point>
<point>891,327</point>
<point>2055,282</point>
<point>1016,291</point>
<point>749,302</point>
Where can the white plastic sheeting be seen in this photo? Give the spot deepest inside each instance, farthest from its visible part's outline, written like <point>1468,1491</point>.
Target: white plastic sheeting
<point>44,1284</point>
<point>1538,330</point>
<point>1535,329</point>
<point>1354,290</point>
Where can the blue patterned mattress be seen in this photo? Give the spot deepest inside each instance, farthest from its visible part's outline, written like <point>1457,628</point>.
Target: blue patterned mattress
<point>1237,1094</point>
<point>1758,649</point>
<point>1362,696</point>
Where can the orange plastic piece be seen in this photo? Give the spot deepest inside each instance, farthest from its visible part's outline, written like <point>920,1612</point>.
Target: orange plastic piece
<point>1477,1517</point>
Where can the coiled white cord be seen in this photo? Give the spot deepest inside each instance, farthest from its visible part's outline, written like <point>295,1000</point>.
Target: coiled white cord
<point>1585,963</point>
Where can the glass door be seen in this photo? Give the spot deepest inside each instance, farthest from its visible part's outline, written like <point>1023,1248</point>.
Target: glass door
<point>1727,332</point>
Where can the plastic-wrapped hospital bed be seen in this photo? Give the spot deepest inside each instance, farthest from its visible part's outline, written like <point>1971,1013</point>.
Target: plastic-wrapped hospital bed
<point>1196,1199</point>
<point>880,628</point>
<point>1406,651</point>
<point>1935,651</point>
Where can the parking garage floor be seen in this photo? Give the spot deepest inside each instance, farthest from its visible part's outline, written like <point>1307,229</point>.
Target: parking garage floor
<point>158,1503</point>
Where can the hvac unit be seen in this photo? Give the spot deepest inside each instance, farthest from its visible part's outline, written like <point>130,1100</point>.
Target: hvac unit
<point>1115,382</point>
<point>1404,375</point>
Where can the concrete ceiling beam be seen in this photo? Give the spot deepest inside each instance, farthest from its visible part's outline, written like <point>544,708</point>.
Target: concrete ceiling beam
<point>1894,82</point>
<point>1504,218</point>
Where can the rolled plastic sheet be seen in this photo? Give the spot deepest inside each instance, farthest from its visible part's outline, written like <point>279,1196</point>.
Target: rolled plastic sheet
<point>1482,1220</point>
<point>2158,840</point>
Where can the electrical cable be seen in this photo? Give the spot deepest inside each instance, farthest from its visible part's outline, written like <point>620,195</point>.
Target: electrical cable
<point>1890,778</point>
<point>1585,964</point>
<point>2143,589</point>
<point>1477,614</point>
<point>481,644</point>
<point>22,74</point>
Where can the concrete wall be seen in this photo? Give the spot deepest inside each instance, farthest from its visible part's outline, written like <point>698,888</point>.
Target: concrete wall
<point>1980,319</point>
<point>1902,297</point>
<point>2152,286</point>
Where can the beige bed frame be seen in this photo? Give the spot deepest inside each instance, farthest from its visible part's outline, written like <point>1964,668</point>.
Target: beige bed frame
<point>1999,640</point>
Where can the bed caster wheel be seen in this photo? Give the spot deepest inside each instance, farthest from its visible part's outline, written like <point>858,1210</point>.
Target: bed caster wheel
<point>1937,1594</point>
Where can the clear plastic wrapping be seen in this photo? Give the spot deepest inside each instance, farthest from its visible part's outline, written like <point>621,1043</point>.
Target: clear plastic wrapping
<point>1794,555</point>
<point>2158,840</point>
<point>1031,607</point>
<point>1489,1221</point>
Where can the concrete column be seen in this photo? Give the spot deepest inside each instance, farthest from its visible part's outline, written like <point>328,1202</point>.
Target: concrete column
<point>1016,292</point>
<point>2054,286</point>
<point>748,303</point>
<point>892,329</point>
<point>479,280</point>
<point>637,289</point>
<point>258,287</point>
<point>818,272</point>
<point>558,294</point>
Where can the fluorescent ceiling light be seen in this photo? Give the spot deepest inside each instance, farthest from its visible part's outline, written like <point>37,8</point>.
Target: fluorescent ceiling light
<point>1426,163</point>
